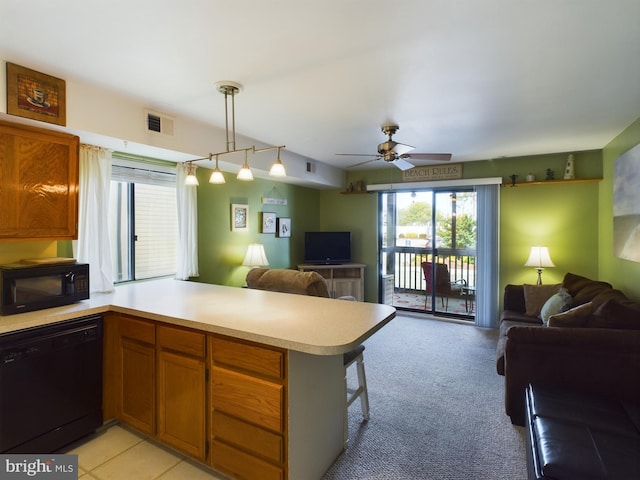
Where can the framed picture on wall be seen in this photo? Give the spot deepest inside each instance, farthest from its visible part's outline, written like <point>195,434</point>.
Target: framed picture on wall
<point>239,217</point>
<point>268,222</point>
<point>284,227</point>
<point>35,95</point>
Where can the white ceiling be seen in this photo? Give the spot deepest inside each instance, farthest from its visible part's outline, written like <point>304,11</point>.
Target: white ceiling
<point>476,78</point>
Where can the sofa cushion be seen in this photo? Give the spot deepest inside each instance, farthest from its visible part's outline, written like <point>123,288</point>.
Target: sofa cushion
<point>505,325</point>
<point>616,314</point>
<point>514,298</point>
<point>583,289</point>
<point>575,317</point>
<point>558,302</point>
<point>535,297</point>
<point>288,281</point>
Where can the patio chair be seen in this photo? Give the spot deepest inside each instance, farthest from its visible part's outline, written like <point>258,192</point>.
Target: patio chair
<point>442,284</point>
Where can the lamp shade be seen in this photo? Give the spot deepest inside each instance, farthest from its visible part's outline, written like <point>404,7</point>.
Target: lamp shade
<point>255,256</point>
<point>539,258</point>
<point>277,169</point>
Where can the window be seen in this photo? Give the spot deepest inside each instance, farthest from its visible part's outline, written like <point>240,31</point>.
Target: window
<point>143,220</point>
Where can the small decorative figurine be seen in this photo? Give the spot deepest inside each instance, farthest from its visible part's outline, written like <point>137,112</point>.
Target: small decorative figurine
<point>550,174</point>
<point>568,170</point>
<point>513,179</point>
<point>531,177</point>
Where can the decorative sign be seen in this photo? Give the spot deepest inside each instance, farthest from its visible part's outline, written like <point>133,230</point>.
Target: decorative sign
<point>435,172</point>
<point>274,201</point>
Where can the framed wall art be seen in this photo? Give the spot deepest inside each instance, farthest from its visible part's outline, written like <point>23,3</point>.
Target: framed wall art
<point>239,218</point>
<point>35,95</point>
<point>284,227</point>
<point>268,222</point>
<point>626,205</point>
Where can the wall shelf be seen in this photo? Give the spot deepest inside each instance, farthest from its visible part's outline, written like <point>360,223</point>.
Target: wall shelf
<point>553,182</point>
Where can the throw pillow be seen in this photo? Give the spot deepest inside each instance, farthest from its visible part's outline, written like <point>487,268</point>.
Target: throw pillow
<point>536,295</point>
<point>614,314</point>
<point>559,302</point>
<point>576,317</point>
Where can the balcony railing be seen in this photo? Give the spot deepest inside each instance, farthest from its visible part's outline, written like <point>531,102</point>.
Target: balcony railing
<point>408,275</point>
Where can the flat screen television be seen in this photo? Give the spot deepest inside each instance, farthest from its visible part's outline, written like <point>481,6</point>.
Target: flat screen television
<point>327,248</point>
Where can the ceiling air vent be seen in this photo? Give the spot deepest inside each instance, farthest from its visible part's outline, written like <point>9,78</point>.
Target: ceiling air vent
<point>159,123</point>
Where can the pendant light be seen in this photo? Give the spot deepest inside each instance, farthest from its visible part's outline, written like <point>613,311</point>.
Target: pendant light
<point>191,179</point>
<point>230,90</point>
<point>277,169</point>
<point>216,177</point>
<point>245,172</point>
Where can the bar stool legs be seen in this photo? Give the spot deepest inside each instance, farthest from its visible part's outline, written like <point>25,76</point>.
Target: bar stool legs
<point>355,356</point>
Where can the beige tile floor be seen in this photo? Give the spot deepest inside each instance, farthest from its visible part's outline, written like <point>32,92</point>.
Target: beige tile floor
<point>117,453</point>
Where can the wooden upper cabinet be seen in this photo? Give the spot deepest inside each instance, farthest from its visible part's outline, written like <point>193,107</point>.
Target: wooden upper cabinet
<point>38,183</point>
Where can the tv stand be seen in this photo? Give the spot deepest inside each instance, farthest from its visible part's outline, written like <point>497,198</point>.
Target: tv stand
<point>344,279</point>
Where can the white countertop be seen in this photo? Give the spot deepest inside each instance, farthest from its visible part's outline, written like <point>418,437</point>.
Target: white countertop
<point>319,326</point>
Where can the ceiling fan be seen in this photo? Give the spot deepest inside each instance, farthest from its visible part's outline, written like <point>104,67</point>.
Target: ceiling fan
<point>397,153</point>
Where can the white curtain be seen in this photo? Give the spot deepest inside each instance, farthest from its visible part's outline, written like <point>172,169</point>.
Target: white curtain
<point>187,258</point>
<point>93,245</point>
<point>488,203</point>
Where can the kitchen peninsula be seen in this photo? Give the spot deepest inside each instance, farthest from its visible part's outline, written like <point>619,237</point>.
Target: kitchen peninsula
<point>264,368</point>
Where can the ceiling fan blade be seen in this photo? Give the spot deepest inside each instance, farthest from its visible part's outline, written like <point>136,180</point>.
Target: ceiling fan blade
<point>362,163</point>
<point>402,149</point>
<point>402,164</point>
<point>435,157</point>
<point>356,154</point>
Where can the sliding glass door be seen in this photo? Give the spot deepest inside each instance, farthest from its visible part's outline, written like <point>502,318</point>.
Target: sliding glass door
<point>428,251</point>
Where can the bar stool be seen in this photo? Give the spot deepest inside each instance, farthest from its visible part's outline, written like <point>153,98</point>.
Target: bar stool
<point>349,358</point>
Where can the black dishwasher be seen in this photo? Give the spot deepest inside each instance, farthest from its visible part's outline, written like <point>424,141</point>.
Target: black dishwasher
<point>50,385</point>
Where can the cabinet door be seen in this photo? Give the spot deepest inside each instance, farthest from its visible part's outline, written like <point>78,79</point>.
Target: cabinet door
<point>343,287</point>
<point>181,403</point>
<point>137,385</point>
<point>38,183</point>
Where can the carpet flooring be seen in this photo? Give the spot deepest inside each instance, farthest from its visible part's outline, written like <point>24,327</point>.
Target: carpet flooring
<point>437,408</point>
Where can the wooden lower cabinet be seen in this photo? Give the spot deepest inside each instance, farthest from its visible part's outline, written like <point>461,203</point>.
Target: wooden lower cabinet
<point>220,400</point>
<point>181,390</point>
<point>136,373</point>
<point>248,405</point>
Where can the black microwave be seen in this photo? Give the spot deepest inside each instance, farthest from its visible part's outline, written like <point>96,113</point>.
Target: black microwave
<point>26,288</point>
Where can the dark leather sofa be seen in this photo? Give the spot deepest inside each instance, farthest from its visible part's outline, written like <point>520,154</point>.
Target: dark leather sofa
<point>573,436</point>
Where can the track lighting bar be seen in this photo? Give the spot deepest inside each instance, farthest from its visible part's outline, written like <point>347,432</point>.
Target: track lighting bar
<point>229,89</point>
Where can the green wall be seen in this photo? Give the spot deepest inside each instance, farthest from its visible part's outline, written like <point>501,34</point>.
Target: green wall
<point>623,274</point>
<point>221,251</point>
<point>573,219</point>
<point>563,216</point>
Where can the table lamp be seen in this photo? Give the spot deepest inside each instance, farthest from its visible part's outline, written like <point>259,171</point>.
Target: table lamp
<point>255,256</point>
<point>539,259</point>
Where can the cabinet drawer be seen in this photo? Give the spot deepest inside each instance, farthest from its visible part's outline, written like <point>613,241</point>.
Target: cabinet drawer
<point>253,358</point>
<point>242,465</point>
<point>181,340</point>
<point>135,329</point>
<point>252,399</point>
<point>248,437</point>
